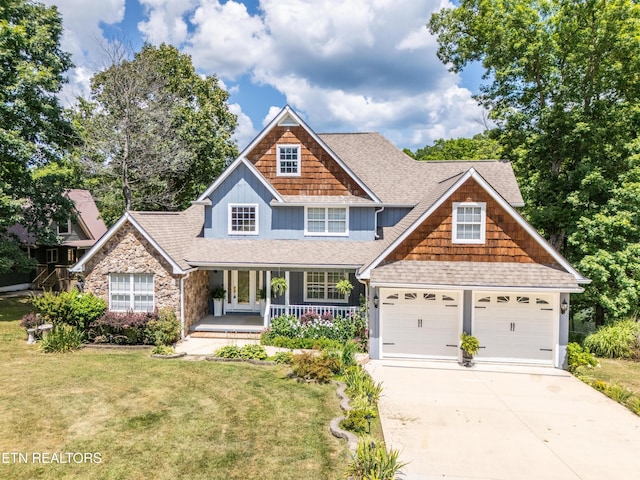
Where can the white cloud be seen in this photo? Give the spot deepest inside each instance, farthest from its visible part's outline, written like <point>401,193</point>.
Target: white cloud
<point>245,131</point>
<point>166,20</point>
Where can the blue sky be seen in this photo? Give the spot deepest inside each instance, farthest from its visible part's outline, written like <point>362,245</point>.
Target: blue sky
<point>343,65</point>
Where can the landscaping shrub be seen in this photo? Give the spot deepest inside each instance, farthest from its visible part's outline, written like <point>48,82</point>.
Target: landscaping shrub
<point>123,328</point>
<point>617,340</point>
<point>285,358</point>
<point>63,338</point>
<point>71,308</point>
<point>348,355</point>
<point>311,366</point>
<point>356,421</point>
<point>373,461</point>
<point>313,325</point>
<point>301,343</point>
<point>578,356</point>
<point>254,352</point>
<point>228,351</point>
<point>360,384</point>
<point>165,330</point>
<point>163,350</point>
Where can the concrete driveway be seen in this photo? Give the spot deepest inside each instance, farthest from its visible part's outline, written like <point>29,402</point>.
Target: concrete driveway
<point>500,422</point>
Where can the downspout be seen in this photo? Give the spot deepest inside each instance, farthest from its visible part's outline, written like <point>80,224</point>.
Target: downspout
<point>375,225</point>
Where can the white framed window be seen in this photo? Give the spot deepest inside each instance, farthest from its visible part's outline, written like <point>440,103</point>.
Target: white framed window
<point>288,161</point>
<point>64,228</point>
<point>52,255</point>
<point>131,291</point>
<point>469,222</point>
<point>321,287</point>
<point>243,219</point>
<point>326,221</point>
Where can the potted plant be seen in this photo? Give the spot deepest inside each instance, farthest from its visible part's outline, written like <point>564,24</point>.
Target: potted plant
<point>469,346</point>
<point>344,287</point>
<point>262,295</point>
<point>218,294</point>
<point>278,286</point>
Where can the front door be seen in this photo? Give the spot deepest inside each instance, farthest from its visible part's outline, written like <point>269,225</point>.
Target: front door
<point>241,289</point>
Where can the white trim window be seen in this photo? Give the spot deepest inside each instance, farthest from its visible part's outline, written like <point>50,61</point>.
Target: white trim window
<point>64,228</point>
<point>288,161</point>
<point>131,292</point>
<point>243,219</point>
<point>321,287</point>
<point>326,221</point>
<point>469,222</point>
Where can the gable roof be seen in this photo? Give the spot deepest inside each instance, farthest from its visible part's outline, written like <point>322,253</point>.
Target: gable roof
<point>398,179</point>
<point>170,233</point>
<point>286,117</point>
<point>432,201</point>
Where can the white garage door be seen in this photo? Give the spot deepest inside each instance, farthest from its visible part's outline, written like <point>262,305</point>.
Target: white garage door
<point>514,327</point>
<point>420,323</point>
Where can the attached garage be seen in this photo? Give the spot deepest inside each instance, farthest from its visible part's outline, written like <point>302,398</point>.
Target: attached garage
<point>515,327</point>
<point>420,323</point>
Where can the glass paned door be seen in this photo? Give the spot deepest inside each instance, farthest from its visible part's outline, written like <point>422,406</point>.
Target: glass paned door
<point>241,286</point>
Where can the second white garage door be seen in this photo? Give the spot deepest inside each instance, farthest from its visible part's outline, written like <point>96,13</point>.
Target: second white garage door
<point>514,327</point>
<point>420,323</point>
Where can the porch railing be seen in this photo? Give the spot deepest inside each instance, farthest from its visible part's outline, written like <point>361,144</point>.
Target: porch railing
<point>299,310</point>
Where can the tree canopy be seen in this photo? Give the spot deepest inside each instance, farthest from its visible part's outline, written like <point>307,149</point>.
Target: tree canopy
<point>479,147</point>
<point>156,133</point>
<point>34,132</point>
<point>562,85</point>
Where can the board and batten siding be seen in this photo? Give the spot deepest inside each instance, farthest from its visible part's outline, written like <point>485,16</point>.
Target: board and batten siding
<point>240,187</point>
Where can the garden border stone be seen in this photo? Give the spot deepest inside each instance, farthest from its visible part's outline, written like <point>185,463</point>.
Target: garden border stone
<point>334,425</point>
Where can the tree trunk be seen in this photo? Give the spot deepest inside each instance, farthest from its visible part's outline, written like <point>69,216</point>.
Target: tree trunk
<point>599,316</point>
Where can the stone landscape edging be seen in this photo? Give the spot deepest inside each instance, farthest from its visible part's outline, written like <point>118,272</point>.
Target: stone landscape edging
<point>334,425</point>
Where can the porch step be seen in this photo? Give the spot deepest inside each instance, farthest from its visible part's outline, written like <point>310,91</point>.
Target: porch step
<point>226,335</point>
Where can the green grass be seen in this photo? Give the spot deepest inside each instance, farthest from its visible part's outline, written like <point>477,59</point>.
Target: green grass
<point>616,378</point>
<point>159,419</point>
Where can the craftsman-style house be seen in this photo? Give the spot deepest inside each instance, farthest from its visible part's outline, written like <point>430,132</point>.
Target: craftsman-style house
<point>434,248</point>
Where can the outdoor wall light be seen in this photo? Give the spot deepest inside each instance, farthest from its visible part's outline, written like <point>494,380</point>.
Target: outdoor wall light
<point>564,306</point>
<point>376,301</point>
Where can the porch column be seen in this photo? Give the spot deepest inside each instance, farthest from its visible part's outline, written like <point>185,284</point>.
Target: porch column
<point>287,278</point>
<point>563,332</point>
<point>267,309</point>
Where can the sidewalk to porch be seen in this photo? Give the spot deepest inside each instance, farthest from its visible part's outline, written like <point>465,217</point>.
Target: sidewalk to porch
<point>229,324</point>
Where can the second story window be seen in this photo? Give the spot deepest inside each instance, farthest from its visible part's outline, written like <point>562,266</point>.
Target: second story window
<point>469,222</point>
<point>64,228</point>
<point>326,221</point>
<point>288,160</point>
<point>243,219</point>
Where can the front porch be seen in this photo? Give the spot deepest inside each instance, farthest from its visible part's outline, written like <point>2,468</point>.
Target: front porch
<point>250,323</point>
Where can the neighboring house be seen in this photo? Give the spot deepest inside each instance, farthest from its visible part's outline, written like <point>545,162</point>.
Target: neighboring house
<point>75,237</point>
<point>435,248</point>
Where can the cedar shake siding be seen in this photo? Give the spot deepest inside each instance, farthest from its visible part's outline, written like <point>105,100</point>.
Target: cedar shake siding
<point>506,240</point>
<point>320,174</point>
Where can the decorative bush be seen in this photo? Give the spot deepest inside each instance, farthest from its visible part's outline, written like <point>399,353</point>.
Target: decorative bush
<point>321,368</point>
<point>254,352</point>
<point>163,350</point>
<point>71,308</point>
<point>285,358</point>
<point>315,325</point>
<point>578,356</point>
<point>348,354</point>
<point>360,384</point>
<point>165,330</point>
<point>228,351</point>
<point>63,338</point>
<point>123,328</point>
<point>300,343</point>
<point>356,421</point>
<point>616,340</point>
<point>373,461</point>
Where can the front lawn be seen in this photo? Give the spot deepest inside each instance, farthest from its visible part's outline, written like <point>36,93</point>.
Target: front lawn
<point>158,419</point>
<point>618,379</point>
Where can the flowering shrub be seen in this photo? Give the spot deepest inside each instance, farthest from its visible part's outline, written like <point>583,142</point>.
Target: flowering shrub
<point>71,308</point>
<point>313,325</point>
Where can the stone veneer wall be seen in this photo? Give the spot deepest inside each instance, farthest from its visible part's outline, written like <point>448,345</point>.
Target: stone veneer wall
<point>196,297</point>
<point>129,252</point>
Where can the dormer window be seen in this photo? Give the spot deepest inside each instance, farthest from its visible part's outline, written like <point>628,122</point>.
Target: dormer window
<point>469,222</point>
<point>288,161</point>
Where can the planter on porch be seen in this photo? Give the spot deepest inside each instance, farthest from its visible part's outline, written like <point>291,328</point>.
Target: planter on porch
<point>218,294</point>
